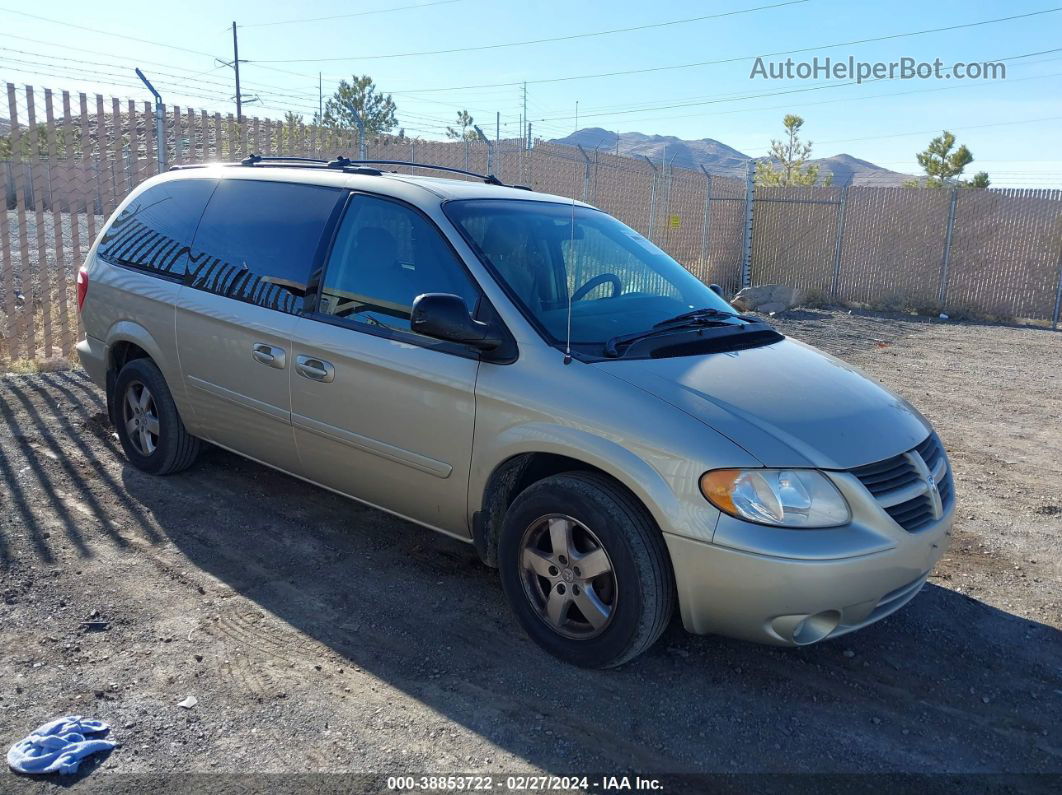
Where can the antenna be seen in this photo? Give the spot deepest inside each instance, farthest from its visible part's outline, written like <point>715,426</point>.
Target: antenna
<point>571,252</point>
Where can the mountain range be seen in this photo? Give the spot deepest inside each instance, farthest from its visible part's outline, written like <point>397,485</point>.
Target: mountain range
<point>718,158</point>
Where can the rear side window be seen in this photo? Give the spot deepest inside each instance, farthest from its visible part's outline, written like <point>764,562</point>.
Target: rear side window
<point>154,231</point>
<point>258,241</point>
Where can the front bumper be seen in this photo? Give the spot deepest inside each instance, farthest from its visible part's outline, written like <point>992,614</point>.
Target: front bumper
<point>789,601</point>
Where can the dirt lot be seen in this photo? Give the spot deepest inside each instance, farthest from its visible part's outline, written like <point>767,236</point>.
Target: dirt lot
<point>319,635</point>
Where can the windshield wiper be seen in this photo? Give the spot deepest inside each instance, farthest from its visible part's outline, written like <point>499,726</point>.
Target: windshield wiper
<point>695,314</point>
<point>693,320</point>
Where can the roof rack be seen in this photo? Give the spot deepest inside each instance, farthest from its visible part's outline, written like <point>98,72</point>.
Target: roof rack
<point>349,166</point>
<point>342,162</point>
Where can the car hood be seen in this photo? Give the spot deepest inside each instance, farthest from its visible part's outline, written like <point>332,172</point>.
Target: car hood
<point>787,404</point>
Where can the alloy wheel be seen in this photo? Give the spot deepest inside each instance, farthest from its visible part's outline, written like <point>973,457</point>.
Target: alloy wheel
<point>568,576</point>
<point>141,418</point>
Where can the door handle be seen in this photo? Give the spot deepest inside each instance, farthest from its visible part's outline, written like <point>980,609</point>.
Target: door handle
<point>269,355</point>
<point>315,369</point>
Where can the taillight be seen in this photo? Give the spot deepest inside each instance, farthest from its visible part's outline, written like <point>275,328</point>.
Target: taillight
<point>82,286</point>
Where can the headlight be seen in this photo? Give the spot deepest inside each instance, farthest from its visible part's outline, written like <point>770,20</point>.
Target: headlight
<point>782,497</point>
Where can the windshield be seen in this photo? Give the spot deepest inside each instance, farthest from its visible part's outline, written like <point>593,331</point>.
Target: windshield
<point>619,282</point>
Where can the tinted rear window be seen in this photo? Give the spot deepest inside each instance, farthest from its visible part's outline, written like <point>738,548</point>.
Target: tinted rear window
<point>258,240</point>
<point>154,230</point>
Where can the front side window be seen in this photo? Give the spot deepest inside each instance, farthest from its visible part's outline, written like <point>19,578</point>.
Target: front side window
<point>618,282</point>
<point>258,241</point>
<point>386,254</point>
<point>155,229</point>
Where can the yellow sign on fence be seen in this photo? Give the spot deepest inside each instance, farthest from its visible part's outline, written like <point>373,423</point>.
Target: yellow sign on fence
<point>674,221</point>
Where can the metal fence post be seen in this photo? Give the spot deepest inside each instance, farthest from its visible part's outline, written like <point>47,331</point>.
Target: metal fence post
<point>942,295</point>
<point>707,219</point>
<point>652,197</point>
<point>670,172</point>
<point>842,209</point>
<point>1058,294</point>
<point>586,173</point>
<point>746,242</point>
<point>160,123</point>
<point>490,149</point>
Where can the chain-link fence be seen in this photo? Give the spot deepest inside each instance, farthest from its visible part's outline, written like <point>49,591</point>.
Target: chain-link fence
<point>67,160</point>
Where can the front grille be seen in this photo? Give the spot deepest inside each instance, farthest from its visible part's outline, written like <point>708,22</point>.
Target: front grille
<point>884,476</point>
<point>930,450</point>
<point>914,514</point>
<point>901,484</point>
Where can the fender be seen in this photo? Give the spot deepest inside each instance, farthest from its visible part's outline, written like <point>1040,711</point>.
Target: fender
<point>639,476</point>
<point>133,332</point>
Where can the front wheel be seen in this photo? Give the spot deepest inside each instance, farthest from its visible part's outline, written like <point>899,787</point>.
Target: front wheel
<point>585,570</point>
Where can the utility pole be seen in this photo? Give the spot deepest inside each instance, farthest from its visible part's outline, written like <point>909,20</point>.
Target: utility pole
<point>236,67</point>
<point>526,133</point>
<point>497,126</point>
<point>576,115</point>
<point>320,99</point>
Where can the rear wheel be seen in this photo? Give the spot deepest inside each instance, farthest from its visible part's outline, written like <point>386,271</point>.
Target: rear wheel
<point>585,570</point>
<point>150,429</point>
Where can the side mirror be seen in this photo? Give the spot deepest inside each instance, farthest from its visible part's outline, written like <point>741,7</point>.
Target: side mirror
<point>445,317</point>
<point>715,288</point>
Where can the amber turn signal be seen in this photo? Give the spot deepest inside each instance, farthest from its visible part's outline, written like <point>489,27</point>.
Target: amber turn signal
<point>717,487</point>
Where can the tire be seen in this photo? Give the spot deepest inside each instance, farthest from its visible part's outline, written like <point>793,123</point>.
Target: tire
<point>151,431</point>
<point>587,616</point>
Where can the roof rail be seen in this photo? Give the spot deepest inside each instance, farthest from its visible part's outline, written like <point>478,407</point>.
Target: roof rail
<point>349,166</point>
<point>343,162</point>
<point>254,160</point>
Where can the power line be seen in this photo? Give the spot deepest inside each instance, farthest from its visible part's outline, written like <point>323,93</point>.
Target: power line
<point>83,62</point>
<point>417,6</point>
<point>138,39</point>
<point>737,58</point>
<point>649,106</point>
<point>570,37</point>
<point>819,87</point>
<point>260,88</point>
<point>845,99</point>
<point>930,132</point>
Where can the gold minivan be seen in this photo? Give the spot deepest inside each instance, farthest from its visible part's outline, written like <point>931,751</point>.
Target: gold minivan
<point>524,373</point>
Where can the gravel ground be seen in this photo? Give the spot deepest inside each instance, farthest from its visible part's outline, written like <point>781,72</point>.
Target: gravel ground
<point>319,635</point>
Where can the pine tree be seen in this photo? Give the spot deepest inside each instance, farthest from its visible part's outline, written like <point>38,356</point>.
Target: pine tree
<point>465,122</point>
<point>786,163</point>
<point>359,97</point>
<point>944,163</point>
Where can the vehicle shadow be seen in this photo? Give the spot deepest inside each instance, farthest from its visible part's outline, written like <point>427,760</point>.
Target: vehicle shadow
<point>948,684</point>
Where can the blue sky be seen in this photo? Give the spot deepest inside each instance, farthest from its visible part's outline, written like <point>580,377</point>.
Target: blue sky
<point>1012,126</point>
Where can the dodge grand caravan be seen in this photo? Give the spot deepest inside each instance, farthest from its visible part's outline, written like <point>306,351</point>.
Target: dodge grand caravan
<point>524,373</point>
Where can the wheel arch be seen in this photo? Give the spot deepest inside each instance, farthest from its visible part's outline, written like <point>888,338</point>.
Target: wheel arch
<point>519,469</point>
<point>126,341</point>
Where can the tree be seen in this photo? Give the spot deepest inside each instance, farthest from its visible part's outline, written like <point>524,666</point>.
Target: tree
<point>465,122</point>
<point>359,98</point>
<point>786,163</point>
<point>944,163</point>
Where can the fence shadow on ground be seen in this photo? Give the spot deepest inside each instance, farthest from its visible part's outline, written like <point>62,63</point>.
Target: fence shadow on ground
<point>947,684</point>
